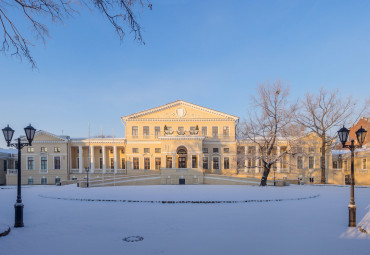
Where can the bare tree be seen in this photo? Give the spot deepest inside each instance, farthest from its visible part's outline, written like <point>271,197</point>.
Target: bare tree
<point>271,122</point>
<point>321,113</point>
<point>120,13</point>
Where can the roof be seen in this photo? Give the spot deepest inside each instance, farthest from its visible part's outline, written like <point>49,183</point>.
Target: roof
<point>8,151</point>
<point>176,103</point>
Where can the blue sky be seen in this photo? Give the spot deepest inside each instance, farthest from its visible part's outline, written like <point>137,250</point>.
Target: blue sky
<point>211,53</point>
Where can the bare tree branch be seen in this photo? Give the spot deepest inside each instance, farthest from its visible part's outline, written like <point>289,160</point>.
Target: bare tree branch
<point>322,112</point>
<point>270,123</point>
<point>118,12</point>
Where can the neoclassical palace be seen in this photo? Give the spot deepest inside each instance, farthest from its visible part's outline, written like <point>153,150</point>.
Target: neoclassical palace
<point>180,143</point>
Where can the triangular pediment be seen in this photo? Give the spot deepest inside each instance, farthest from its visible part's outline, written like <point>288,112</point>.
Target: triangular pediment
<point>42,135</point>
<point>180,110</point>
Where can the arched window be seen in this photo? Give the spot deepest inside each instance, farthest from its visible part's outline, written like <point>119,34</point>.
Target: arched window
<point>44,180</point>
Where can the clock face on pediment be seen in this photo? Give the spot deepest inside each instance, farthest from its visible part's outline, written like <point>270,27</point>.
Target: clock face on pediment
<point>180,110</point>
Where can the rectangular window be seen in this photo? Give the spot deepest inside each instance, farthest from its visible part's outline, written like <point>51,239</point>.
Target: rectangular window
<point>205,150</point>
<point>214,131</point>
<point>205,162</point>
<point>215,150</point>
<point>30,163</point>
<point>216,162</point>
<point>364,166</point>
<point>123,150</point>
<point>311,149</point>
<point>101,163</point>
<point>194,162</point>
<point>56,162</point>
<point>157,131</point>
<point>112,163</point>
<point>157,163</point>
<point>168,162</point>
<point>44,149</point>
<point>146,150</point>
<point>335,164</point>
<point>251,150</point>
<point>30,181</point>
<point>135,131</point>
<point>146,163</point>
<point>123,163</point>
<point>226,150</point>
<point>146,131</point>
<point>157,150</point>
<point>204,131</point>
<point>136,163</point>
<point>226,131</point>
<point>135,150</point>
<point>299,162</point>
<point>30,149</point>
<point>56,149</point>
<point>345,167</point>
<point>311,162</point>
<point>226,163</point>
<point>44,164</point>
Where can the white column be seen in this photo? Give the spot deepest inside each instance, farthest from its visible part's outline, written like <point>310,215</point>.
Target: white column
<point>115,158</point>
<point>246,160</point>
<point>200,158</point>
<point>80,159</point>
<point>92,159</point>
<point>257,160</point>
<point>278,162</point>
<point>104,159</point>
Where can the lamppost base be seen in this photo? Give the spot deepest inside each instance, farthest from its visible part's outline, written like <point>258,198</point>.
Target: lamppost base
<point>352,215</point>
<point>18,215</point>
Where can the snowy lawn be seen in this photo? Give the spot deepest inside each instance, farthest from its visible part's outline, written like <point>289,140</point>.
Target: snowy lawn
<point>295,225</point>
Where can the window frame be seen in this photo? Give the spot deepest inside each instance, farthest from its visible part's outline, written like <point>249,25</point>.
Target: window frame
<point>134,165</point>
<point>136,133</point>
<point>226,163</point>
<point>44,170</point>
<point>60,163</point>
<point>215,134</point>
<point>204,131</point>
<point>33,163</point>
<point>218,163</point>
<point>146,163</point>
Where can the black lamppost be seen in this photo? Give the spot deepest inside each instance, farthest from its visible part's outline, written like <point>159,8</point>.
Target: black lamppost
<point>87,169</point>
<point>8,134</point>
<point>343,134</point>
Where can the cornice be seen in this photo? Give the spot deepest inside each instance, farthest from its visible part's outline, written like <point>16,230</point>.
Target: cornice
<point>176,103</point>
<point>99,140</point>
<point>178,119</point>
<point>181,137</point>
<point>65,142</point>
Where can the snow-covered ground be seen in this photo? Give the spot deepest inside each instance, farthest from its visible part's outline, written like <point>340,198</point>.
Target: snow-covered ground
<point>282,220</point>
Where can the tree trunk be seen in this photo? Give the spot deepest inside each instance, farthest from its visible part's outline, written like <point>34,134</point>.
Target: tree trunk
<point>323,159</point>
<point>266,171</point>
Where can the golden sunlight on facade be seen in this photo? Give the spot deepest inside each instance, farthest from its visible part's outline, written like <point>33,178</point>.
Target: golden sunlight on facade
<point>177,143</point>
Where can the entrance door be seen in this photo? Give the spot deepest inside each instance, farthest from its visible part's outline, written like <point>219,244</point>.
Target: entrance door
<point>182,162</point>
<point>182,181</point>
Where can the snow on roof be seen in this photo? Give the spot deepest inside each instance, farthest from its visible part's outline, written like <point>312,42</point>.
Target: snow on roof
<point>8,151</point>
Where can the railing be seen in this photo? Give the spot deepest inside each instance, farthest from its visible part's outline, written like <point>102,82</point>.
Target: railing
<point>12,171</point>
<point>100,171</point>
